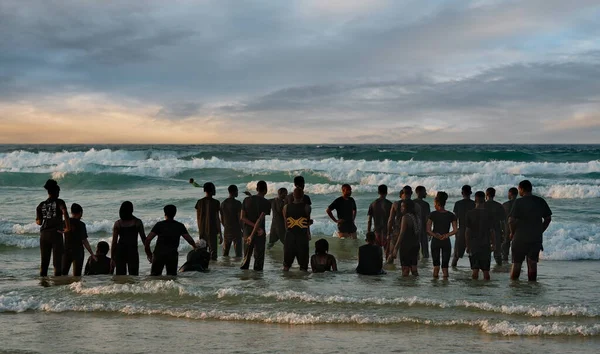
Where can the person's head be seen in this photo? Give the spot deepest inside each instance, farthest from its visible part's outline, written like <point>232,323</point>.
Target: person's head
<point>421,192</point>
<point>233,191</point>
<point>170,211</point>
<point>479,198</point>
<point>490,193</point>
<point>283,192</point>
<point>102,248</point>
<point>382,190</point>
<point>513,193</point>
<point>210,189</point>
<point>76,211</point>
<point>370,237</point>
<point>299,182</point>
<point>261,187</point>
<point>298,195</point>
<point>440,200</point>
<point>191,180</point>
<point>321,246</point>
<point>466,191</point>
<point>346,190</point>
<point>407,207</point>
<point>126,211</point>
<point>407,192</point>
<point>201,244</point>
<point>525,188</point>
<point>52,187</point>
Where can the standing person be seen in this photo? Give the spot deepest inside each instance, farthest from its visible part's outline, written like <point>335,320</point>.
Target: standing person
<point>50,214</point>
<point>207,216</point>
<point>529,218</point>
<point>298,183</point>
<point>75,240</point>
<point>100,264</point>
<point>252,208</point>
<point>479,237</point>
<point>166,253</point>
<point>408,241</point>
<point>512,196</point>
<point>278,228</point>
<point>393,227</point>
<point>438,227</point>
<point>425,210</point>
<point>231,215</point>
<point>345,206</point>
<point>370,257</point>
<point>322,261</point>
<point>498,222</point>
<point>461,208</point>
<point>379,214</point>
<point>125,255</point>
<point>297,216</point>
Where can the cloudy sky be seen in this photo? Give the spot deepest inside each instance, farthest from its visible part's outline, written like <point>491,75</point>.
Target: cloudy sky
<point>312,71</point>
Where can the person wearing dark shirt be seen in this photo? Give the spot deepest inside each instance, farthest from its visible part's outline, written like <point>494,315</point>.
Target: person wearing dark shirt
<point>168,233</point>
<point>100,264</point>
<point>252,208</point>
<point>207,217</point>
<point>322,261</point>
<point>425,210</point>
<point>298,183</point>
<point>498,222</point>
<point>528,220</point>
<point>370,257</point>
<point>408,242</point>
<point>396,219</point>
<point>479,237</point>
<point>49,215</point>
<point>198,259</point>
<point>124,249</point>
<point>438,227</point>
<point>513,193</point>
<point>461,208</point>
<point>378,216</point>
<point>75,240</point>
<point>231,214</point>
<point>345,206</point>
<point>296,216</point>
<point>278,228</point>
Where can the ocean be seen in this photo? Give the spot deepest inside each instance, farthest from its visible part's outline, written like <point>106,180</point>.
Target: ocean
<point>229,310</point>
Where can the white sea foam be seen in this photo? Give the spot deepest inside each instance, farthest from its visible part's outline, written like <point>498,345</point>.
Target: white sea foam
<point>149,287</point>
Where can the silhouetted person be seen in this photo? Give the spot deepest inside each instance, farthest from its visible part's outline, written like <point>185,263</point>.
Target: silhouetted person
<point>75,240</point>
<point>50,215</point>
<point>498,222</point>
<point>198,259</point>
<point>425,210</point>
<point>479,237</point>
<point>207,217</point>
<point>370,257</point>
<point>529,218</point>
<point>278,228</point>
<point>194,183</point>
<point>297,216</point>
<point>100,264</point>
<point>168,233</point>
<point>408,242</point>
<point>252,208</point>
<point>231,214</point>
<point>513,193</point>
<point>298,183</point>
<point>125,255</point>
<point>378,216</point>
<point>461,208</point>
<point>322,261</point>
<point>438,227</point>
<point>345,206</point>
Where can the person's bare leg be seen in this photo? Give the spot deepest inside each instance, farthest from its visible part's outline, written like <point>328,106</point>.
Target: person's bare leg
<point>515,271</point>
<point>486,275</point>
<point>445,272</point>
<point>414,271</point>
<point>475,274</point>
<point>436,272</point>
<point>531,270</point>
<point>405,271</point>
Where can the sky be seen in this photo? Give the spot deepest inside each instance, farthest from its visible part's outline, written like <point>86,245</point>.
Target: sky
<point>311,71</point>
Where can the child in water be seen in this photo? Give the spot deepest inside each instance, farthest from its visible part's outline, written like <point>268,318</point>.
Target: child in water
<point>197,259</point>
<point>322,261</point>
<point>101,265</point>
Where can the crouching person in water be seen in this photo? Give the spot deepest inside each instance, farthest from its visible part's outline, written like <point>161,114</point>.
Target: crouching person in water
<point>100,264</point>
<point>197,259</point>
<point>165,253</point>
<point>322,261</point>
<point>297,216</point>
<point>370,257</point>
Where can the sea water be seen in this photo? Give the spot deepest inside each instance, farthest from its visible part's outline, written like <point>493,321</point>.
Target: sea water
<point>232,310</point>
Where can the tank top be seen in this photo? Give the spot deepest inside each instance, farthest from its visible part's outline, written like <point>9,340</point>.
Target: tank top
<point>128,235</point>
<point>297,219</point>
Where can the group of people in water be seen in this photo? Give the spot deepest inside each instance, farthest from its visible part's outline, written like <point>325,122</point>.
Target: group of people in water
<point>406,229</point>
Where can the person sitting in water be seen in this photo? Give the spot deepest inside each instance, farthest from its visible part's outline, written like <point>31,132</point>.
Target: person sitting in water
<point>322,261</point>
<point>370,257</point>
<point>101,263</point>
<point>197,259</point>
